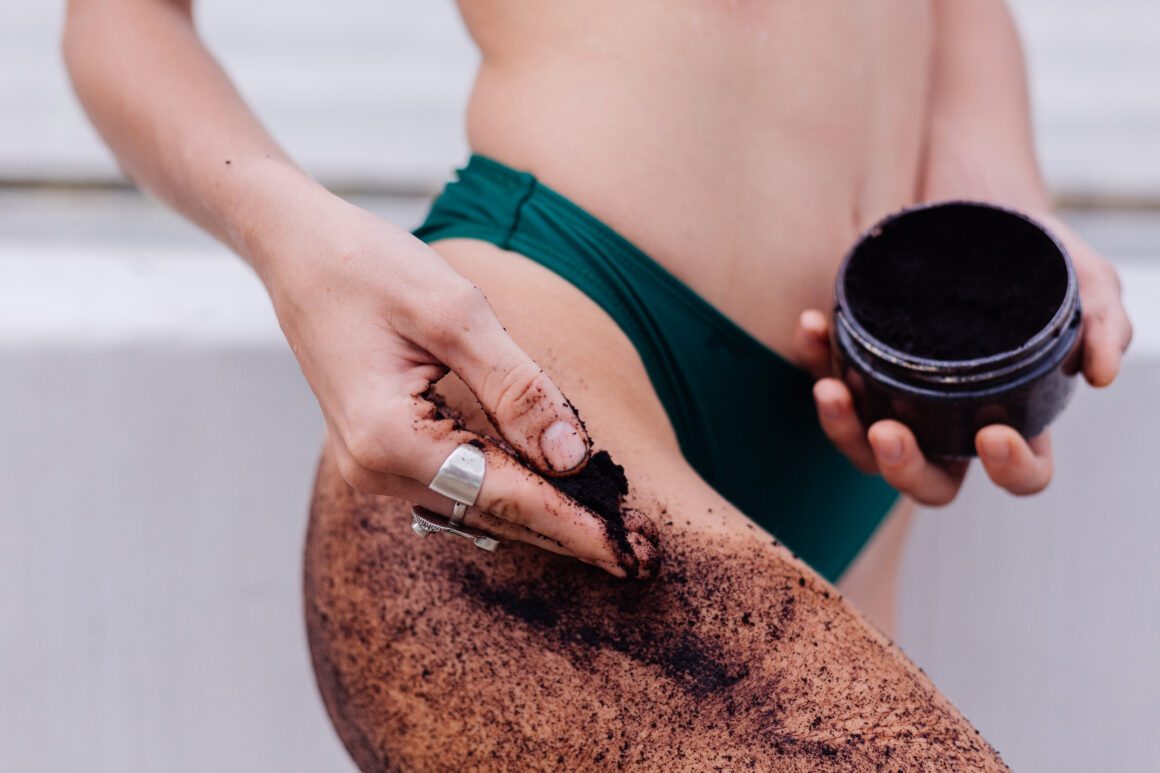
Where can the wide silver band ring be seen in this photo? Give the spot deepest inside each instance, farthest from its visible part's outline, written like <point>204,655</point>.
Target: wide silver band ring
<point>460,478</point>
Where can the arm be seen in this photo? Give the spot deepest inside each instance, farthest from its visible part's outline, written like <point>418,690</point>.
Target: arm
<point>979,137</point>
<point>980,147</point>
<point>175,122</point>
<point>372,314</point>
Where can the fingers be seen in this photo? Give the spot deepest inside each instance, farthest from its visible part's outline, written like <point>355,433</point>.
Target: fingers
<point>402,449</point>
<point>513,493</point>
<point>524,404</point>
<point>888,448</point>
<point>812,339</point>
<point>1107,331</point>
<point>1020,466</point>
<point>903,465</point>
<point>841,424</point>
<point>414,492</point>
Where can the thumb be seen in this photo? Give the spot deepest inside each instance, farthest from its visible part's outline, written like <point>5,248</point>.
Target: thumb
<point>528,409</point>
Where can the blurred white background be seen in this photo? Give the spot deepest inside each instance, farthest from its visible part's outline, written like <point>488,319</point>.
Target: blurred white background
<point>157,441</point>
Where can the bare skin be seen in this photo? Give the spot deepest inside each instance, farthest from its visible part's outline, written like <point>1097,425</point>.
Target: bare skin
<point>433,655</point>
<point>743,145</point>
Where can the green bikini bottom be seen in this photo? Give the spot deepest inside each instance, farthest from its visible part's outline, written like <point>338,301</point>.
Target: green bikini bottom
<point>744,417</point>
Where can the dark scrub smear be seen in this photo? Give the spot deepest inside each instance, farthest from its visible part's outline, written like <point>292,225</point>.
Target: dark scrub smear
<point>601,486</point>
<point>696,664</point>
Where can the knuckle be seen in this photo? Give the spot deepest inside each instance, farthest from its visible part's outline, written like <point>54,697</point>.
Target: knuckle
<point>451,315</point>
<point>910,480</point>
<point>521,390</point>
<point>507,509</point>
<point>353,473</point>
<point>369,446</point>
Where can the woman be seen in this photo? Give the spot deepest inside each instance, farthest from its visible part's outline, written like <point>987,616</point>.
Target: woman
<point>660,200</point>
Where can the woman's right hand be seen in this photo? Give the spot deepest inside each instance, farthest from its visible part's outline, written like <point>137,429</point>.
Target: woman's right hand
<point>375,316</point>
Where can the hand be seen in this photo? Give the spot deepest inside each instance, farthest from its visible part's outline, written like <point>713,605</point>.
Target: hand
<point>374,317</point>
<point>1020,466</point>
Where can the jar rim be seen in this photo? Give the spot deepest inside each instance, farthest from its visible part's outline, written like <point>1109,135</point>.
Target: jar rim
<point>985,368</point>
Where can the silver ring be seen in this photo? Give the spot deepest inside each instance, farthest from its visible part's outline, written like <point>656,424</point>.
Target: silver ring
<point>457,513</point>
<point>461,477</point>
<point>424,522</point>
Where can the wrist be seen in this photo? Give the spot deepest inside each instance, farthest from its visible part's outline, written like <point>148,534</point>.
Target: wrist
<point>267,204</point>
<point>957,167</point>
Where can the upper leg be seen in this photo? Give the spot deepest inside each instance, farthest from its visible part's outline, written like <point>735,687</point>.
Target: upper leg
<point>871,581</point>
<point>433,655</point>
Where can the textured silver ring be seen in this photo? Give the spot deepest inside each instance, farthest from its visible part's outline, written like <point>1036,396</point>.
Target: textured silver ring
<point>461,477</point>
<point>424,522</point>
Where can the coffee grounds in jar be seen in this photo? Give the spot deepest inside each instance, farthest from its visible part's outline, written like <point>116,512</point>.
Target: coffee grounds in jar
<point>955,283</point>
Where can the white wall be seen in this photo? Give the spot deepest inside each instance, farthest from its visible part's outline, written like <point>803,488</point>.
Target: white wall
<point>157,442</point>
<point>359,91</point>
<point>370,91</point>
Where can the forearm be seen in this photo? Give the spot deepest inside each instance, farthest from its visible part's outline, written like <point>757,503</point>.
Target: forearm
<point>980,143</point>
<point>176,124</point>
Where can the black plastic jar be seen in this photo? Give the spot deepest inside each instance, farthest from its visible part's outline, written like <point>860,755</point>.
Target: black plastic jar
<point>949,317</point>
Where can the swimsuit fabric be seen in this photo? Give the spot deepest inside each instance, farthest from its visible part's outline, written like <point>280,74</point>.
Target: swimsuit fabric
<point>744,416</point>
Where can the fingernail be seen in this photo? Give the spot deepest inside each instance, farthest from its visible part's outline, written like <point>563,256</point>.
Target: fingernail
<point>648,557</point>
<point>889,448</point>
<point>563,447</point>
<point>996,449</point>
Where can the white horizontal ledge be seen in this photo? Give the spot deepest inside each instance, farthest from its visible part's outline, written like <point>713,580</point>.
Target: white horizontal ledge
<point>76,296</point>
<point>79,296</point>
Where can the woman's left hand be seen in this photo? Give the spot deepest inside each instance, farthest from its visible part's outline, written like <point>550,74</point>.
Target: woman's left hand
<point>1020,466</point>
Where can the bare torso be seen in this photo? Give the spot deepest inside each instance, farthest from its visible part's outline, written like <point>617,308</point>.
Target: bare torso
<point>741,143</point>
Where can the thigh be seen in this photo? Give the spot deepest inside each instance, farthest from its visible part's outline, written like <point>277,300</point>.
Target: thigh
<point>871,581</point>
